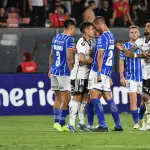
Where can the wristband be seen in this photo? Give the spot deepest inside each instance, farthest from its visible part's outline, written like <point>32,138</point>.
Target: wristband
<point>98,74</point>
<point>135,55</point>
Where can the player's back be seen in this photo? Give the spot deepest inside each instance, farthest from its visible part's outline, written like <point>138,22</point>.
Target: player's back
<point>133,67</point>
<point>61,42</point>
<point>105,42</point>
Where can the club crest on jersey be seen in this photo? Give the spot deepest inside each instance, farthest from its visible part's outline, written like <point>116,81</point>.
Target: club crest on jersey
<point>83,44</point>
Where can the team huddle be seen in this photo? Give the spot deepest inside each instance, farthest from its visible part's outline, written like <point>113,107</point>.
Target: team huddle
<point>81,74</point>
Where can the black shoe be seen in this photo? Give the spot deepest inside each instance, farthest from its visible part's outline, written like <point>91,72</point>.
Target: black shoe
<point>117,129</point>
<point>100,129</point>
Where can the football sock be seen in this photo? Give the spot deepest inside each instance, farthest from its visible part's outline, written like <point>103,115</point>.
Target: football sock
<point>90,113</point>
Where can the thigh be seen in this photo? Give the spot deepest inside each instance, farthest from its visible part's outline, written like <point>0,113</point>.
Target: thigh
<point>79,86</point>
<point>54,83</point>
<point>92,80</point>
<point>64,83</point>
<point>146,87</point>
<point>131,86</point>
<point>104,85</point>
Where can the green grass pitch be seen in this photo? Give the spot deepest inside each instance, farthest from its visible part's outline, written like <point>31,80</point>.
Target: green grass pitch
<point>36,133</point>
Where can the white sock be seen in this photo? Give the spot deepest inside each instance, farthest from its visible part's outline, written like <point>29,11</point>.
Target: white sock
<point>147,104</point>
<point>82,112</point>
<point>73,110</point>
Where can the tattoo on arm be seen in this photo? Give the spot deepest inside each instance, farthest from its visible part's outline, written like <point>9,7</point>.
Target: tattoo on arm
<point>133,48</point>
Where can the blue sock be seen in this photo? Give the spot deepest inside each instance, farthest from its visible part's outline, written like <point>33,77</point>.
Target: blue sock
<point>62,118</point>
<point>141,112</point>
<point>56,113</point>
<point>135,116</point>
<point>90,113</point>
<point>99,111</point>
<point>114,112</point>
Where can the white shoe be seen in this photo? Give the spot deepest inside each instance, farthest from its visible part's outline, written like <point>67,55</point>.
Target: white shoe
<point>145,127</point>
<point>136,126</point>
<point>90,127</point>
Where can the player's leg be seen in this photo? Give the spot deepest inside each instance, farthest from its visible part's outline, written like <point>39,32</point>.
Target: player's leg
<point>90,114</point>
<point>107,94</point>
<point>133,108</point>
<point>114,110</point>
<point>64,87</point>
<point>95,95</point>
<point>146,97</point>
<point>77,87</point>
<point>56,106</point>
<point>141,114</point>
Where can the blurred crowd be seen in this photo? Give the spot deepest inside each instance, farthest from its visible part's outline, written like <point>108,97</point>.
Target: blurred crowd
<point>53,13</point>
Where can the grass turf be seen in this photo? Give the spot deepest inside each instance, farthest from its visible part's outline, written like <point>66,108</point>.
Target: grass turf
<point>36,133</point>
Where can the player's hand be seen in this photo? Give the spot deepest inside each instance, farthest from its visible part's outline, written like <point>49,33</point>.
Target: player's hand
<point>111,82</point>
<point>123,81</point>
<point>90,60</point>
<point>49,75</point>
<point>147,55</point>
<point>99,79</point>
<point>120,46</point>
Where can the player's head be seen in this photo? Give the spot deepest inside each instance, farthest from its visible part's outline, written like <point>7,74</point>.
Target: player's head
<point>147,29</point>
<point>69,26</point>
<point>87,29</point>
<point>99,24</point>
<point>134,32</point>
<point>27,56</point>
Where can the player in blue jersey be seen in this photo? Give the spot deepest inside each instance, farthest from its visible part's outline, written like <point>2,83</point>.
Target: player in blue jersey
<point>132,69</point>
<point>61,63</point>
<point>99,78</point>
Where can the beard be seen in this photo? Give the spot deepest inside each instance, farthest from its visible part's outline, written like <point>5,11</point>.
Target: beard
<point>146,33</point>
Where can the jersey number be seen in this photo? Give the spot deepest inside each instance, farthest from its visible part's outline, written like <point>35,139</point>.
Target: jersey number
<point>57,58</point>
<point>109,60</point>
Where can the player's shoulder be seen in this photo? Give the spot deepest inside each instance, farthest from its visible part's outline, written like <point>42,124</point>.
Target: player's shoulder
<point>81,42</point>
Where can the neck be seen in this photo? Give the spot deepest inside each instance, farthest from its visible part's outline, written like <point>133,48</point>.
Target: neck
<point>105,9</point>
<point>86,37</point>
<point>132,41</point>
<point>105,29</point>
<point>67,32</point>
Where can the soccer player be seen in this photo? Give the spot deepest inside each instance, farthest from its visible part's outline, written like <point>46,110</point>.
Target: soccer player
<point>61,63</point>
<point>80,74</point>
<point>144,45</point>
<point>133,73</point>
<point>99,78</point>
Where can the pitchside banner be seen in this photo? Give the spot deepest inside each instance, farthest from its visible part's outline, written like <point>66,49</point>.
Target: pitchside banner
<point>30,94</point>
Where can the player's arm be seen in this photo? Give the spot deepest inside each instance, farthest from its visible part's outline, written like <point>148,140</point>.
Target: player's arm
<point>70,58</point>
<point>100,63</point>
<point>130,53</point>
<point>50,58</point>
<point>83,60</point>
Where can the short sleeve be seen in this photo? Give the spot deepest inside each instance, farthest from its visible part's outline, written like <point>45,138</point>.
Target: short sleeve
<point>122,55</point>
<point>81,47</point>
<point>137,43</point>
<point>70,43</point>
<point>101,43</point>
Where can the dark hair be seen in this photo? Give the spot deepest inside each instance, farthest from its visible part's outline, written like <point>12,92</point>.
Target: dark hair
<point>91,2</point>
<point>99,19</point>
<point>148,21</point>
<point>28,56</point>
<point>68,23</point>
<point>85,25</point>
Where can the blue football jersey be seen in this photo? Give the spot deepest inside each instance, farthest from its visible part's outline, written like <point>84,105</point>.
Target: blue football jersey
<point>60,44</point>
<point>104,42</point>
<point>133,67</point>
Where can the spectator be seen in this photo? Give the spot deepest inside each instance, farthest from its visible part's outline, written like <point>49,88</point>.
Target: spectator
<point>56,3</point>
<point>121,16</point>
<point>138,6</point>
<point>3,19</point>
<point>89,14</point>
<point>37,12</point>
<point>105,12</point>
<point>77,5</point>
<point>28,65</point>
<point>57,19</point>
